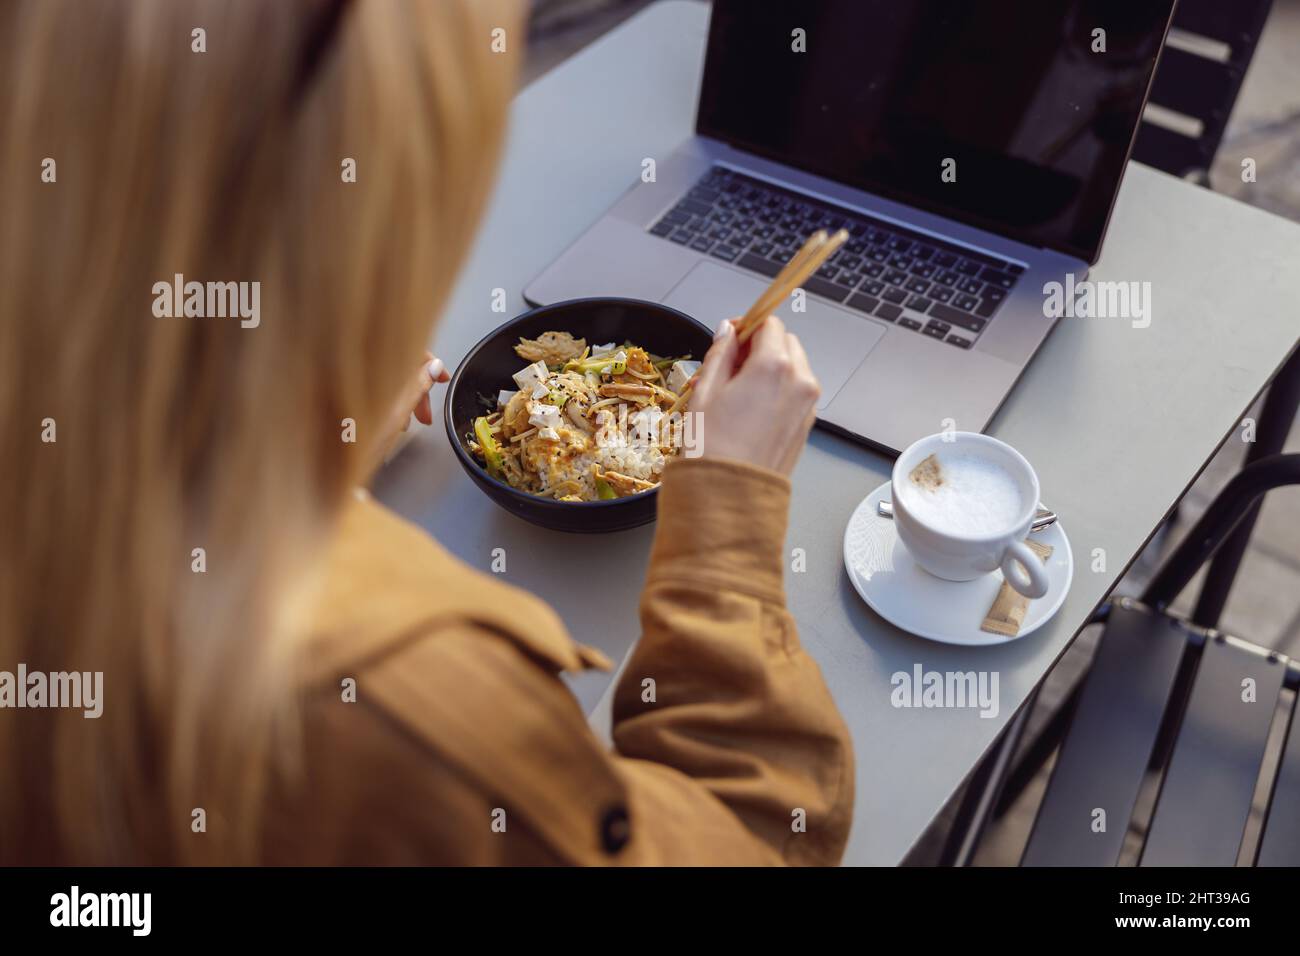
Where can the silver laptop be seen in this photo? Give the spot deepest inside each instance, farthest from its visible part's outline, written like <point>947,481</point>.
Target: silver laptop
<point>973,151</point>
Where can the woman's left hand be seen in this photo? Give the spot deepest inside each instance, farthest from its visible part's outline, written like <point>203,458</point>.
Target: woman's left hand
<point>415,399</point>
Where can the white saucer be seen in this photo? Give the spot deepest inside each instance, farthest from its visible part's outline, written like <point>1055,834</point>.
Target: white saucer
<point>911,598</point>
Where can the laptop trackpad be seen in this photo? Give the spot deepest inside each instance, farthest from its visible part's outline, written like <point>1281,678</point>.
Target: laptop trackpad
<point>836,340</point>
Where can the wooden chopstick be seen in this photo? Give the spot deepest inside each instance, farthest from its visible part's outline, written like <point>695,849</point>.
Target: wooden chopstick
<point>808,260</point>
<point>816,250</point>
<point>771,295</point>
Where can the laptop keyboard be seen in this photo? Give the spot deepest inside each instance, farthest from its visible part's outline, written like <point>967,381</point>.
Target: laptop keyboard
<point>920,283</point>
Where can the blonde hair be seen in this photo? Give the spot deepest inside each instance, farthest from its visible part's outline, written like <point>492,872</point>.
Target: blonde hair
<point>173,434</point>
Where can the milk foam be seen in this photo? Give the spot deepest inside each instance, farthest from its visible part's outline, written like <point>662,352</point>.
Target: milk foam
<point>972,496</point>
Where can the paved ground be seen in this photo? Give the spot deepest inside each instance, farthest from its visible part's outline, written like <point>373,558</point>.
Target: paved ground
<point>1265,126</point>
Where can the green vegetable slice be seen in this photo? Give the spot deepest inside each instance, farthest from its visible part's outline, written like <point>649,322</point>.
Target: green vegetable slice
<point>486,441</point>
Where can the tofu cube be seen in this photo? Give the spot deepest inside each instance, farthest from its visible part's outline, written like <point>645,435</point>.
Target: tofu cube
<point>527,377</point>
<point>680,374</point>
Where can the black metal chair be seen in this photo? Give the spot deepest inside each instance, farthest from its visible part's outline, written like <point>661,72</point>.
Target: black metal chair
<point>1201,88</point>
<point>1166,699</point>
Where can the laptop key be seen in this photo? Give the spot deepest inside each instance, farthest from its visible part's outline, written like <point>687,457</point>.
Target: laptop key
<point>970,286</point>
<point>934,333</point>
<point>725,252</point>
<point>695,207</point>
<point>863,303</point>
<point>923,269</point>
<point>828,271</point>
<point>848,279</point>
<point>895,294</point>
<point>943,327</point>
<point>783,255</point>
<point>702,244</point>
<point>922,252</point>
<point>958,341</point>
<point>967,302</point>
<point>907,323</point>
<point>894,277</point>
<point>890,312</point>
<point>919,302</point>
<point>942,293</point>
<point>661,228</point>
<point>994,277</point>
<point>944,260</point>
<point>947,313</point>
<point>759,264</point>
<point>874,269</point>
<point>917,285</point>
<point>681,236</point>
<point>947,277</point>
<point>762,248</point>
<point>969,267</point>
<point>873,287</point>
<point>825,289</point>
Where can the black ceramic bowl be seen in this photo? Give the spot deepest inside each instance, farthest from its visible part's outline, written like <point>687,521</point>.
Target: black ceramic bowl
<point>488,368</point>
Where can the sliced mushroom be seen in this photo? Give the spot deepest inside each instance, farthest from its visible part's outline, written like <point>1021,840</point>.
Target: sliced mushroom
<point>553,348</point>
<point>634,392</point>
<point>625,484</point>
<point>578,416</point>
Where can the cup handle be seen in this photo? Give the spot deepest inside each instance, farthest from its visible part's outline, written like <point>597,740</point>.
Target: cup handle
<point>1024,570</point>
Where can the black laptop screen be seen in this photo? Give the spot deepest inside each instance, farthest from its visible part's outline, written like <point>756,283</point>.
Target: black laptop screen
<point>1037,120</point>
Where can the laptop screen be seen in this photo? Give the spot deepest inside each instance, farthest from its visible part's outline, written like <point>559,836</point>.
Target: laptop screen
<point>1035,108</point>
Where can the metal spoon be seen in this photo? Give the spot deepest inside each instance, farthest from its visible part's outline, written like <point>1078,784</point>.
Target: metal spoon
<point>1042,518</point>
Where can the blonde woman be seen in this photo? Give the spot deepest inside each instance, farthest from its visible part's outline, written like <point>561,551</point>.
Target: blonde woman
<point>292,674</point>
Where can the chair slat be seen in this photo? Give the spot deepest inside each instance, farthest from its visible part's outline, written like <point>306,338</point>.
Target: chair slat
<point>1236,23</point>
<point>1170,151</point>
<point>1193,85</point>
<point>1108,745</point>
<point>1206,794</point>
<point>1280,845</point>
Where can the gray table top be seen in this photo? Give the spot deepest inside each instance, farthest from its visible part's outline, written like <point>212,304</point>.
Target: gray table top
<point>1117,420</point>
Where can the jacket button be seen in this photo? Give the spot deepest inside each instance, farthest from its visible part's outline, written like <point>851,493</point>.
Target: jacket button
<point>615,829</point>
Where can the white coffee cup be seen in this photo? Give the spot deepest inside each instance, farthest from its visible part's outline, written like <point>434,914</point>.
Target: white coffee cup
<point>968,553</point>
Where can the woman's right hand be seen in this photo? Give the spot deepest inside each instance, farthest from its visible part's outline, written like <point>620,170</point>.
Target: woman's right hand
<point>758,400</point>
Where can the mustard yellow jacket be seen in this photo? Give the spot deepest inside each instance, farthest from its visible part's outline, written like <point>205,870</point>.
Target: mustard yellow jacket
<point>464,746</point>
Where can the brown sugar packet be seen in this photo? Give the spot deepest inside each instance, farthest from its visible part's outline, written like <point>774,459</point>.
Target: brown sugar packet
<point>1008,610</point>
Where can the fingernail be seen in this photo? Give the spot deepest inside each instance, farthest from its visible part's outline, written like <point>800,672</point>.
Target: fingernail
<point>723,330</point>
<point>436,368</point>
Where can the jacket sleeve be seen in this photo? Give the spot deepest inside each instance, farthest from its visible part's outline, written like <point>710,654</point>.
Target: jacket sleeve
<point>719,689</point>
